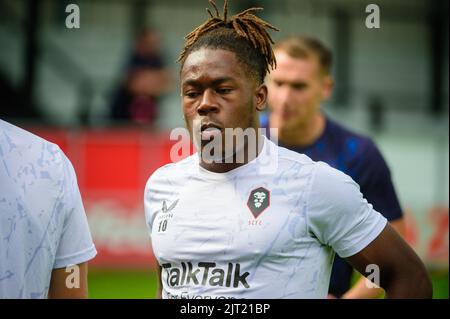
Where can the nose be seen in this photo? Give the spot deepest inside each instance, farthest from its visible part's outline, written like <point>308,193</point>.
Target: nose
<point>286,95</point>
<point>208,103</point>
<point>282,97</point>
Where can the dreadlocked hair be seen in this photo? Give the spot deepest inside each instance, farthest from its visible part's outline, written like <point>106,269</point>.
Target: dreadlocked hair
<point>243,34</point>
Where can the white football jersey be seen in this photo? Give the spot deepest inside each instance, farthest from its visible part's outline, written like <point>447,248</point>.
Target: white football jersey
<point>267,229</point>
<point>43,225</point>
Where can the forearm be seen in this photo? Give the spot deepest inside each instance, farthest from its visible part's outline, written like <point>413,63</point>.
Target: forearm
<point>159,285</point>
<point>401,272</point>
<point>362,290</point>
<point>159,293</point>
<point>417,286</point>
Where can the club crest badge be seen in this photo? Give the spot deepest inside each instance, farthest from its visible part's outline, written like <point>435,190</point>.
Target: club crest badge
<point>258,201</point>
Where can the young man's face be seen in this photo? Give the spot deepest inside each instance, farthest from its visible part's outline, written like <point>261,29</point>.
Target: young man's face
<point>296,89</point>
<point>218,93</point>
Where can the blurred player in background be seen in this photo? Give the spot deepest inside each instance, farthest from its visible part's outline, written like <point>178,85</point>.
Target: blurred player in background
<point>145,80</point>
<point>43,226</point>
<point>267,226</point>
<point>297,87</point>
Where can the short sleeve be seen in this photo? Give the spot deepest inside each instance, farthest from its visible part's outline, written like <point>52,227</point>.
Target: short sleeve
<point>159,190</point>
<point>154,189</point>
<point>75,245</point>
<point>337,213</point>
<point>149,204</point>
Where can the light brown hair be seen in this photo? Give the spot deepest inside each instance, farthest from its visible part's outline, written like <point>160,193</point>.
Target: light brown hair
<point>303,47</point>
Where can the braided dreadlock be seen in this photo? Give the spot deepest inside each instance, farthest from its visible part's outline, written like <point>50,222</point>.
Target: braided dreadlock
<point>244,34</point>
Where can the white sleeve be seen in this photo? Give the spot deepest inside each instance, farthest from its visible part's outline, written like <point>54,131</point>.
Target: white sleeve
<point>154,190</point>
<point>75,245</point>
<point>148,205</point>
<point>337,213</point>
<point>158,188</point>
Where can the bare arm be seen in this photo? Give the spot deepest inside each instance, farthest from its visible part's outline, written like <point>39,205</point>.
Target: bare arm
<point>361,290</point>
<point>402,273</point>
<point>159,283</point>
<point>69,283</point>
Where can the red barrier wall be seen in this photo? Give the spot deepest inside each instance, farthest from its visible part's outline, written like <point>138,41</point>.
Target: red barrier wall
<point>113,166</point>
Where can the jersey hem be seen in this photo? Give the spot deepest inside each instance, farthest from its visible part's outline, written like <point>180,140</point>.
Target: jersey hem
<point>77,258</point>
<point>376,231</point>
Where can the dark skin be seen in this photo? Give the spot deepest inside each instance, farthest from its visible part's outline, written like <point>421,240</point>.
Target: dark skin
<point>402,273</point>
<point>58,288</point>
<point>217,89</point>
<point>234,102</point>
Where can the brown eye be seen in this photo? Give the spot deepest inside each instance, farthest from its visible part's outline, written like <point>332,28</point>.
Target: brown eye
<point>278,83</point>
<point>224,90</point>
<point>299,86</point>
<point>191,94</point>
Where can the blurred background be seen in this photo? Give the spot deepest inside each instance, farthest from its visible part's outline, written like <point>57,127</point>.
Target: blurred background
<point>108,94</point>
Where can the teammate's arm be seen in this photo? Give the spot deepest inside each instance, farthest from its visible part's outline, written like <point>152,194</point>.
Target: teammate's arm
<point>69,283</point>
<point>360,290</point>
<point>402,273</point>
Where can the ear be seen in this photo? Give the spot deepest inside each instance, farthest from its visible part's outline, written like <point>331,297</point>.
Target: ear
<point>328,85</point>
<point>261,97</point>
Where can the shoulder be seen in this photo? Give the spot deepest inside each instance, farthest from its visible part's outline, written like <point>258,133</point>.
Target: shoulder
<point>172,173</point>
<point>16,137</point>
<point>165,183</point>
<point>288,166</point>
<point>330,187</point>
<point>288,157</point>
<point>329,178</point>
<point>357,147</point>
<point>21,147</point>
<point>337,214</point>
<point>350,139</point>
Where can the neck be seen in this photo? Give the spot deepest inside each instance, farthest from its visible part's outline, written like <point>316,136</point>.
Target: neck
<point>303,135</point>
<point>242,153</point>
